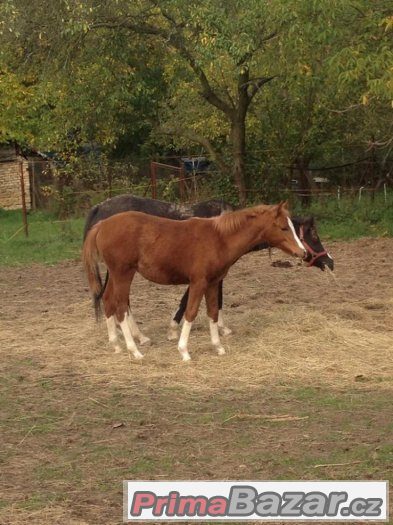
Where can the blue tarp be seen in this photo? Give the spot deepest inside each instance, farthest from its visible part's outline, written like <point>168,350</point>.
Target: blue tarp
<point>195,163</point>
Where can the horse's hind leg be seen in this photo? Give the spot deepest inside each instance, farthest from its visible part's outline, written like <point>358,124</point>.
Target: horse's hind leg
<point>110,310</point>
<point>121,290</point>
<point>224,330</point>
<point>135,330</point>
<point>112,333</point>
<point>211,296</point>
<point>175,321</point>
<point>125,328</point>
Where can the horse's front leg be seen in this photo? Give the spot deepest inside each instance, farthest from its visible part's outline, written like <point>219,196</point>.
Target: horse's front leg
<point>212,303</point>
<point>196,292</point>
<point>224,330</point>
<point>175,321</point>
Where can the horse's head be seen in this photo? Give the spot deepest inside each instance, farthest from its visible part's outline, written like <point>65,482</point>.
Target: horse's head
<point>308,235</point>
<point>210,208</point>
<point>281,231</point>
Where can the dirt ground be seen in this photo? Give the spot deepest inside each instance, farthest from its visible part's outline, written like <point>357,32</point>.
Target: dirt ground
<point>304,392</point>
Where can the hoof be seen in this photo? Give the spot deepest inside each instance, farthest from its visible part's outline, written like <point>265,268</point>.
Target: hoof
<point>173,331</point>
<point>224,330</point>
<point>185,355</point>
<point>144,340</point>
<point>172,335</point>
<point>221,350</point>
<point>138,356</point>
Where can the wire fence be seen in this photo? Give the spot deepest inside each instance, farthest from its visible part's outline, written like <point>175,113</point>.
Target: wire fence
<point>69,191</point>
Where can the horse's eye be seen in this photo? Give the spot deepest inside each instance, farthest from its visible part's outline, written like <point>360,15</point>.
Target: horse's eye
<point>285,229</point>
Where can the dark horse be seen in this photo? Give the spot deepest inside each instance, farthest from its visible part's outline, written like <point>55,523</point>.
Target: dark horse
<point>304,227</point>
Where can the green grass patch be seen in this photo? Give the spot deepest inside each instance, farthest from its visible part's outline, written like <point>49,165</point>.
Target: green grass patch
<point>349,218</point>
<point>49,240</point>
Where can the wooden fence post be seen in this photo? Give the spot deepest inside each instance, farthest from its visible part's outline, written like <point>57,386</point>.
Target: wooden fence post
<point>23,195</point>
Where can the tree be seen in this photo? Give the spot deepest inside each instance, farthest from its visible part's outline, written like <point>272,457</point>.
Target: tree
<point>57,93</point>
<point>119,71</point>
<point>327,104</point>
<point>217,43</point>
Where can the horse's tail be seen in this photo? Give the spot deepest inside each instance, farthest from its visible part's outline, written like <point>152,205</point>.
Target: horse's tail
<point>91,257</point>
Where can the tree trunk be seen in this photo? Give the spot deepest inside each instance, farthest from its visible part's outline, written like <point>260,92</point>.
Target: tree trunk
<point>238,141</point>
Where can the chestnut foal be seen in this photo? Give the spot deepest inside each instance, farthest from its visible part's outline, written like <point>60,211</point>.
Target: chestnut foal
<point>198,252</point>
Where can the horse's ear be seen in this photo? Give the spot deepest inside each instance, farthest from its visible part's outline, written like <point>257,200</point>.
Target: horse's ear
<point>282,206</point>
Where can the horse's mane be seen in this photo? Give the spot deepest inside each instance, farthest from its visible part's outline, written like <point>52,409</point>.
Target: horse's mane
<point>233,221</point>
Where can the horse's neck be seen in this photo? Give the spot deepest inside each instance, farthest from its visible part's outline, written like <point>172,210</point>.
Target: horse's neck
<point>260,246</point>
<point>243,241</point>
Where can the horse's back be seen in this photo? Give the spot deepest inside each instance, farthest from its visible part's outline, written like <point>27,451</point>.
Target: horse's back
<point>135,236</point>
<point>129,202</point>
<point>127,222</point>
<point>210,208</point>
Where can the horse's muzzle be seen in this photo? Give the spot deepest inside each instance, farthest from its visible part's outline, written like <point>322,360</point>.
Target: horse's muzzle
<point>326,260</point>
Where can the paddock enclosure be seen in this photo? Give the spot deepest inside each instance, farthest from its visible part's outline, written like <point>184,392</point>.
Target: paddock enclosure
<point>304,392</point>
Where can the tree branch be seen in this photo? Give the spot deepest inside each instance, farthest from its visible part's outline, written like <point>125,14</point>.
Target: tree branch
<point>246,57</point>
<point>255,84</point>
<point>177,41</point>
<point>200,139</point>
<point>349,108</point>
<point>242,89</point>
<point>166,15</point>
<point>132,26</point>
<point>207,92</point>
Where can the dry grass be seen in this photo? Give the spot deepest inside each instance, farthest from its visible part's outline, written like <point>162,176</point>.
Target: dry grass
<point>303,391</point>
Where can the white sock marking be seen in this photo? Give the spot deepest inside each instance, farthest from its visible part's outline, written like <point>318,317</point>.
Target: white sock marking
<point>112,333</point>
<point>221,325</point>
<point>215,338</point>
<point>183,341</point>
<point>125,328</point>
<point>135,331</point>
<point>172,330</point>
<point>174,325</point>
<point>214,333</point>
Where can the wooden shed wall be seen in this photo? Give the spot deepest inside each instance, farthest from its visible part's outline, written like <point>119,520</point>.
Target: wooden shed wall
<point>10,187</point>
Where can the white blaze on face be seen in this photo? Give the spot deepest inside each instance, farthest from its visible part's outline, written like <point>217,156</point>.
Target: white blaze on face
<point>290,223</point>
